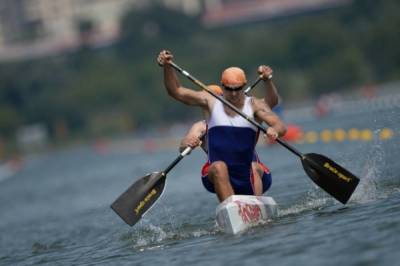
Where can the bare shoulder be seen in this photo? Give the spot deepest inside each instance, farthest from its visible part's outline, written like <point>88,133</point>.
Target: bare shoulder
<point>261,108</point>
<point>209,99</point>
<point>202,98</point>
<point>259,104</point>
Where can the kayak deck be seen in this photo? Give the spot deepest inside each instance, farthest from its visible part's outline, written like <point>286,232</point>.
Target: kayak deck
<point>240,212</point>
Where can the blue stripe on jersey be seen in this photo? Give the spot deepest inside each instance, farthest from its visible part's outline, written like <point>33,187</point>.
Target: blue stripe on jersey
<point>234,146</point>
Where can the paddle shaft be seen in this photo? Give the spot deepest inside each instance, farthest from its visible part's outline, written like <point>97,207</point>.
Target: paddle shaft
<point>177,160</point>
<point>185,152</point>
<point>246,91</point>
<point>234,108</point>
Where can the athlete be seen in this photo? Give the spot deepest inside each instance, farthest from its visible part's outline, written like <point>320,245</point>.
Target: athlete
<point>231,138</point>
<point>259,170</point>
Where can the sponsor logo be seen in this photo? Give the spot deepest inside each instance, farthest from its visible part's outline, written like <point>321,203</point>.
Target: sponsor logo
<point>145,200</point>
<point>249,213</point>
<point>336,172</point>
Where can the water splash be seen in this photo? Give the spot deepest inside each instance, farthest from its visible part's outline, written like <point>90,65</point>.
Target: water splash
<point>367,189</point>
<point>151,236</point>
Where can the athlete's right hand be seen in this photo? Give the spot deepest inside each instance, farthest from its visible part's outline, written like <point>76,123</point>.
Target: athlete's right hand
<point>271,134</point>
<point>164,57</point>
<point>265,72</point>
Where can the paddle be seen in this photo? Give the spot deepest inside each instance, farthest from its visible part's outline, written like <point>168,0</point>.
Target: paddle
<point>141,196</point>
<point>333,178</point>
<point>246,91</point>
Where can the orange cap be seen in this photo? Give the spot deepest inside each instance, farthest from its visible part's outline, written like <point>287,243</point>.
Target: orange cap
<point>233,76</point>
<point>215,88</point>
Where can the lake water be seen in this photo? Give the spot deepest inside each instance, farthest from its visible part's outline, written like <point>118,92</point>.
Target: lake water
<point>55,211</point>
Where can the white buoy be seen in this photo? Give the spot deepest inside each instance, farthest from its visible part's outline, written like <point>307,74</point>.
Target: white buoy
<point>240,212</point>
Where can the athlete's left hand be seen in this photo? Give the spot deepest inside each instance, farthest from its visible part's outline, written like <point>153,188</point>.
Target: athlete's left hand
<point>190,141</point>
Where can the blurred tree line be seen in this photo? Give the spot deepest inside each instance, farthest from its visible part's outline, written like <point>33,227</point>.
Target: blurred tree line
<point>95,92</point>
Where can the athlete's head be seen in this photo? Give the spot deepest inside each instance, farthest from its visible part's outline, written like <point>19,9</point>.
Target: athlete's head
<point>233,81</point>
<point>216,89</point>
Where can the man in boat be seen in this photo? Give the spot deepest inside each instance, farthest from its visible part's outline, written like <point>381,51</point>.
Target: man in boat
<point>259,170</point>
<point>231,138</point>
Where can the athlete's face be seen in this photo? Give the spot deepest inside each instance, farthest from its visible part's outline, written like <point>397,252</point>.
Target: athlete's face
<point>233,94</point>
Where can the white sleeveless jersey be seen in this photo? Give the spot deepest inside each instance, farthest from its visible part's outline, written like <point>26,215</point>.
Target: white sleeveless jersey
<point>218,116</point>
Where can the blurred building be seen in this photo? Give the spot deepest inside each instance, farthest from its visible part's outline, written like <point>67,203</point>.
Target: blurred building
<point>35,28</point>
<point>231,12</point>
<point>189,7</point>
<point>32,137</point>
<point>31,28</point>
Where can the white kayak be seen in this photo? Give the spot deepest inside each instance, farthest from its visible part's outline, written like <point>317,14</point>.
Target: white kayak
<point>240,212</point>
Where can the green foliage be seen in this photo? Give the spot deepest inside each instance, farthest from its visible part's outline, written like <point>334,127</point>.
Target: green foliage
<point>144,30</point>
<point>9,120</point>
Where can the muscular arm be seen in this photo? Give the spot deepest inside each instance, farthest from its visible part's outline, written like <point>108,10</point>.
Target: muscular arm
<point>263,113</point>
<point>173,86</point>
<point>271,94</point>
<point>182,94</point>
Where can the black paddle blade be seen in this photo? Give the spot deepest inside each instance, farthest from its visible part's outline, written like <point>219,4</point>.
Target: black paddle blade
<point>139,197</point>
<point>330,176</point>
